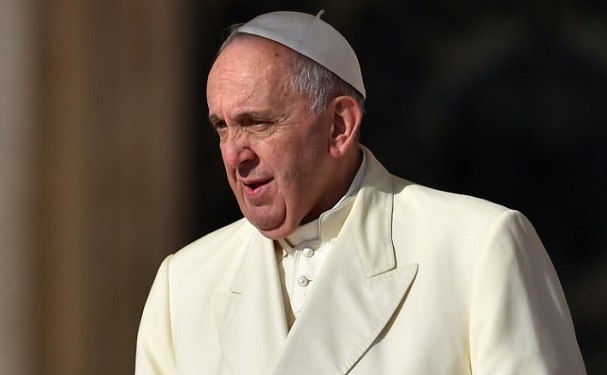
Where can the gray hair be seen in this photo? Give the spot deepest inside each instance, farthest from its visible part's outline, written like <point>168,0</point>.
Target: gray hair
<point>308,78</point>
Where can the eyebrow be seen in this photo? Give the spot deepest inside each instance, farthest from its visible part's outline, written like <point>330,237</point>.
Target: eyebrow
<point>213,119</point>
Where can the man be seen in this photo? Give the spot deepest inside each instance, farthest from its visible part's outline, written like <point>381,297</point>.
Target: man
<point>339,267</point>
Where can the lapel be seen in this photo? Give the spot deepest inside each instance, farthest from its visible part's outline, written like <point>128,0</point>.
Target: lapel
<point>250,318</point>
<point>357,291</point>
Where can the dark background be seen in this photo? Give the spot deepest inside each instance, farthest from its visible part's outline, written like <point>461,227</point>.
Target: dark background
<point>502,100</point>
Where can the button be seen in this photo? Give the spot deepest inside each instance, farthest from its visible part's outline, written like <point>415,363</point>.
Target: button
<point>303,281</point>
<point>308,253</point>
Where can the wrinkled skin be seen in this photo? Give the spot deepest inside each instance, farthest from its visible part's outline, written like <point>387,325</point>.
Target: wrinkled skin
<point>278,157</point>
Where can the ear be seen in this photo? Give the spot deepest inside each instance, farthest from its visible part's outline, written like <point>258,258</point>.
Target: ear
<point>347,116</point>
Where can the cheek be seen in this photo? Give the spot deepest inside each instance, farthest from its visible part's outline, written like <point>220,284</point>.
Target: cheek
<point>298,179</point>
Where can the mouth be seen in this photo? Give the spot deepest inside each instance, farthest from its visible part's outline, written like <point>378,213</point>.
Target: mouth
<point>254,186</point>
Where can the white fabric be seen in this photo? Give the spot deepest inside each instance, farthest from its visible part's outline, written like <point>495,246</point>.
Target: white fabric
<point>313,38</point>
<point>300,263</point>
<point>418,281</point>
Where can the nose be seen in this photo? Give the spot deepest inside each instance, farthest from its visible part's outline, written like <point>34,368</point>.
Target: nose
<point>235,150</point>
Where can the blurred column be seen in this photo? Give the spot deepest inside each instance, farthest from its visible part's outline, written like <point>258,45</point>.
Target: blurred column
<point>112,183</point>
<point>17,112</point>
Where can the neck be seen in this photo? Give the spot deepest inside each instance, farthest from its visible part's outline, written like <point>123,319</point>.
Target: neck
<point>344,175</point>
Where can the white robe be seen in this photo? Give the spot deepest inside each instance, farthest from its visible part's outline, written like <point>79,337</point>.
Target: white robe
<point>418,281</point>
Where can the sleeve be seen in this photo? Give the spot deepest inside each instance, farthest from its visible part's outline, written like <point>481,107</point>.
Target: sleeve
<point>155,352</point>
<point>519,319</point>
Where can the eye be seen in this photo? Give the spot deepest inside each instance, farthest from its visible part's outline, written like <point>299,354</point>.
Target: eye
<point>255,123</point>
<point>218,125</point>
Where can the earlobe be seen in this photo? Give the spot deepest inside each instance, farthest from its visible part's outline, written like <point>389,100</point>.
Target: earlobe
<point>347,116</point>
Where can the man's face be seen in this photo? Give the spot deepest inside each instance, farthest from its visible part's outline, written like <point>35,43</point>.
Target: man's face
<point>274,151</point>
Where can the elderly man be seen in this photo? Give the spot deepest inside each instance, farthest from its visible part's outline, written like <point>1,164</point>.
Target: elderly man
<point>339,267</point>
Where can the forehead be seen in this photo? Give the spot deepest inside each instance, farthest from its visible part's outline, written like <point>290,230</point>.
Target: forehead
<point>248,63</point>
<point>252,76</point>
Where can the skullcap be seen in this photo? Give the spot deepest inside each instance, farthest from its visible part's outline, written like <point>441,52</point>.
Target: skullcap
<point>313,38</point>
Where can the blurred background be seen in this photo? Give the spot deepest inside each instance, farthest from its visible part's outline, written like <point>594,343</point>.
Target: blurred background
<point>107,163</point>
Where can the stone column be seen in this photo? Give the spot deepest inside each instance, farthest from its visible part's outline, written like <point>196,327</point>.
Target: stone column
<point>112,191</point>
<point>18,354</point>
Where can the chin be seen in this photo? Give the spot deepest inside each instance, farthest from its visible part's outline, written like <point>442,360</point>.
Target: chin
<point>278,232</point>
<point>273,225</point>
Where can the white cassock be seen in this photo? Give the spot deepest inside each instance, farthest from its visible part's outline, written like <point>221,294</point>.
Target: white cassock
<point>414,281</point>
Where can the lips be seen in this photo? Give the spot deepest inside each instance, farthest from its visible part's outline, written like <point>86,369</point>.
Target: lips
<point>255,187</point>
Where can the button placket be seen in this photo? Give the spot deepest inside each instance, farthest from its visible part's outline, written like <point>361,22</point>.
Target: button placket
<point>305,266</point>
